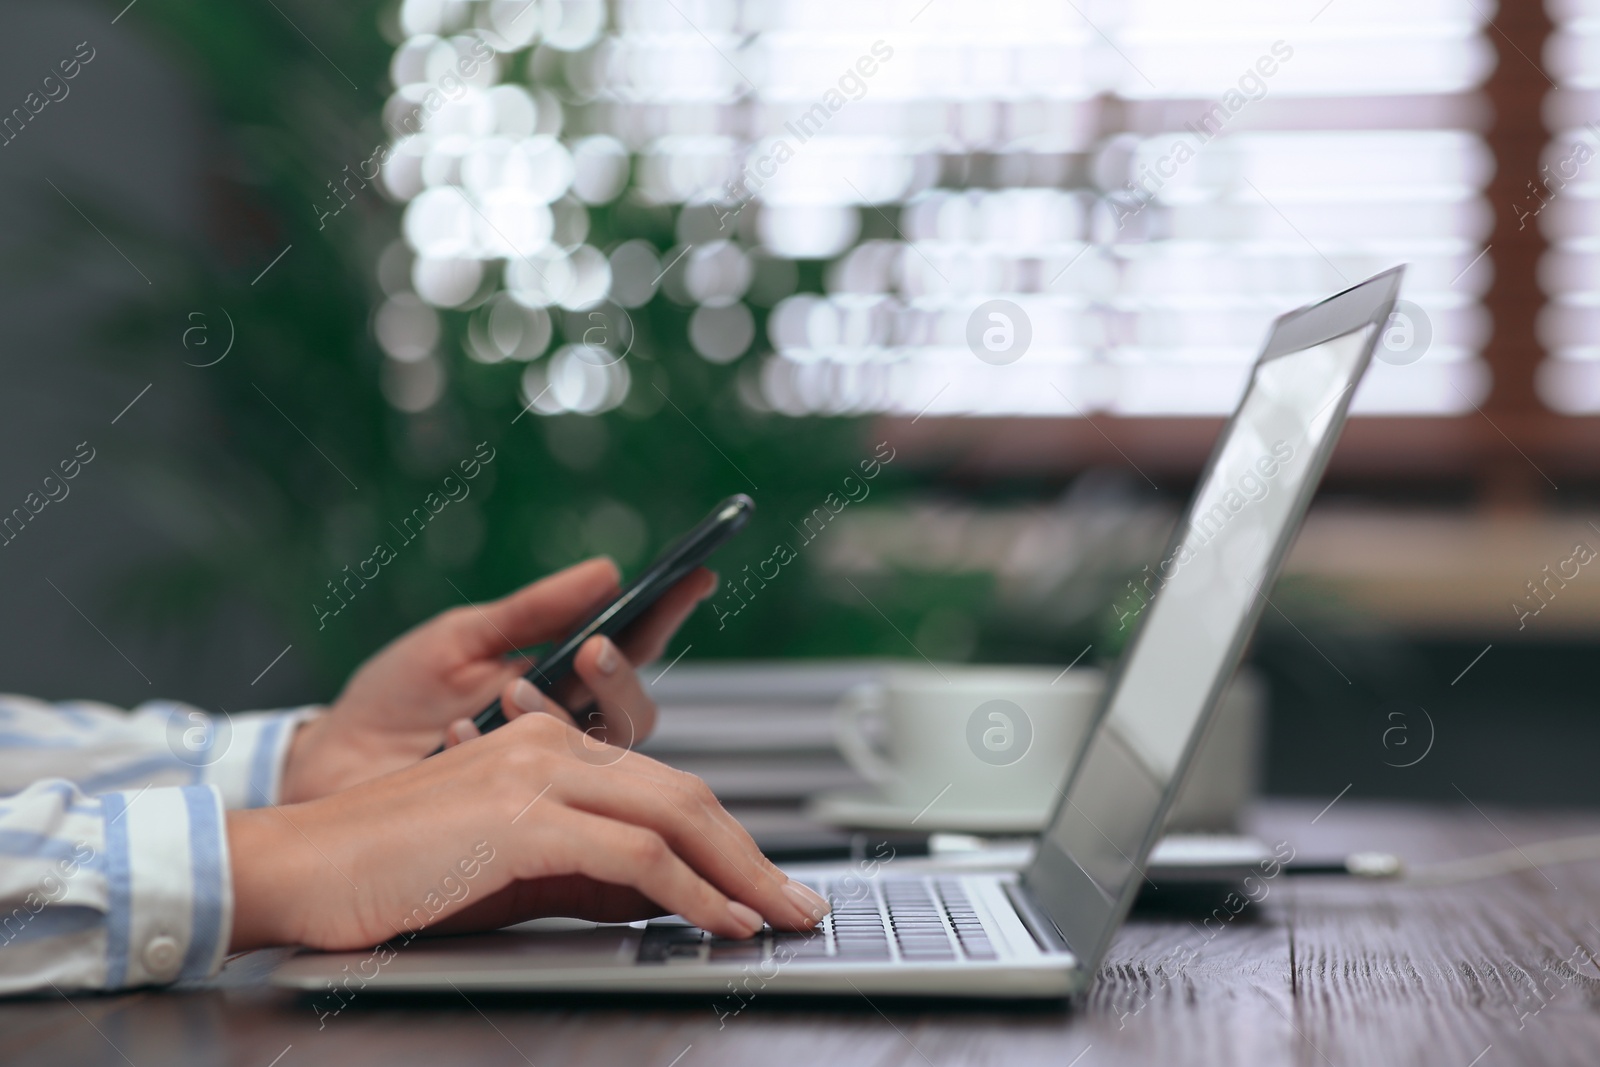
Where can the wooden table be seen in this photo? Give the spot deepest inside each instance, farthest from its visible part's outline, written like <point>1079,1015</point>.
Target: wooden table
<point>1321,972</point>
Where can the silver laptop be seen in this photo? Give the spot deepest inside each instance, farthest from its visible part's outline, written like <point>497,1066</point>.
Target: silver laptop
<point>904,927</point>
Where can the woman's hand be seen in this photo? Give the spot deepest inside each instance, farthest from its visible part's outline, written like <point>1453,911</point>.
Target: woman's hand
<point>397,706</point>
<point>531,820</point>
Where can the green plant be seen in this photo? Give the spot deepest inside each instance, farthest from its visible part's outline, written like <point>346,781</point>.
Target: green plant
<point>307,465</point>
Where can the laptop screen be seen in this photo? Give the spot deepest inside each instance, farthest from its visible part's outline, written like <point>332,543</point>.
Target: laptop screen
<point>1200,603</point>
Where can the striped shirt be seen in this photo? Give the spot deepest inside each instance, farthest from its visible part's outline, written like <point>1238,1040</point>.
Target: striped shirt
<point>113,846</point>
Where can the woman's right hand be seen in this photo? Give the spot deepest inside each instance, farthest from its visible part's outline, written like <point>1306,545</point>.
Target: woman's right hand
<point>548,822</point>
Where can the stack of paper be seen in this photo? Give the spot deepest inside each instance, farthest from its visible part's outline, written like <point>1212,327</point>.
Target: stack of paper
<point>757,731</point>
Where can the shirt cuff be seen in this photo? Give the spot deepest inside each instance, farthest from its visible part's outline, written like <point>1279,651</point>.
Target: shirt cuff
<point>170,911</point>
<point>249,772</point>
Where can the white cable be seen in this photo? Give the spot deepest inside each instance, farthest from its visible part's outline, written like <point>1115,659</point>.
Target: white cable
<point>1516,858</point>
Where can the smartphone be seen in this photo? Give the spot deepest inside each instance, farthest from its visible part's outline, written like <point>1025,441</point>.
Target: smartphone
<point>687,553</point>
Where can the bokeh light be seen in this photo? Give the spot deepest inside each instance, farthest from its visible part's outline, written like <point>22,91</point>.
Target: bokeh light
<point>1151,181</point>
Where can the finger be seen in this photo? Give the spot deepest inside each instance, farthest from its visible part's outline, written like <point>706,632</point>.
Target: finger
<point>542,611</point>
<point>627,714</point>
<point>522,697</point>
<point>629,855</point>
<point>682,810</point>
<point>646,639</point>
<point>459,731</point>
<point>693,795</point>
<point>675,799</point>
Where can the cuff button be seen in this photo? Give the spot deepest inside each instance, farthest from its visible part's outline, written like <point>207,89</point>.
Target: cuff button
<point>161,957</point>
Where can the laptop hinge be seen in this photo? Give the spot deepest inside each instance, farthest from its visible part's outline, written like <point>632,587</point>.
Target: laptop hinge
<point>1043,930</point>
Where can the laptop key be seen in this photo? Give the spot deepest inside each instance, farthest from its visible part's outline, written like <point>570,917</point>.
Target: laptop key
<point>664,942</point>
<point>799,945</point>
<point>809,951</point>
<point>737,951</point>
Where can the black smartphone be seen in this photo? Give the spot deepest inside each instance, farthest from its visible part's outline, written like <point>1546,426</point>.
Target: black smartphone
<point>687,553</point>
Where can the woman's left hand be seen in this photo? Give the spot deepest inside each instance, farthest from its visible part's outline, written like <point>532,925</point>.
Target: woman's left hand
<point>423,687</point>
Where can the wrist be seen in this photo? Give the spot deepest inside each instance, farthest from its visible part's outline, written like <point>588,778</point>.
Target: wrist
<point>333,751</point>
<point>327,756</point>
<point>305,764</point>
<point>267,873</point>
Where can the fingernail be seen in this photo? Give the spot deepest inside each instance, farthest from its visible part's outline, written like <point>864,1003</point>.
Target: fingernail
<point>464,729</point>
<point>807,900</point>
<point>746,917</point>
<point>609,658</point>
<point>525,696</point>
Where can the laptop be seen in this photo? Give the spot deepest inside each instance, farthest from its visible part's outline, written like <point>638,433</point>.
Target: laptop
<point>918,928</point>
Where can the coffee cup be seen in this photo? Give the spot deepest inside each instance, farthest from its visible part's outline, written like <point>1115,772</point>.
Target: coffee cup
<point>966,744</point>
<point>979,739</point>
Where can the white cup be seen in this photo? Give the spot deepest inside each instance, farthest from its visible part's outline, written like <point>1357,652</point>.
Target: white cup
<point>980,739</point>
<point>999,741</point>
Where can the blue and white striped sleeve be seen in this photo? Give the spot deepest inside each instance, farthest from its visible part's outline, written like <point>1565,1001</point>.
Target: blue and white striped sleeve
<point>113,847</point>
<point>160,743</point>
<point>111,891</point>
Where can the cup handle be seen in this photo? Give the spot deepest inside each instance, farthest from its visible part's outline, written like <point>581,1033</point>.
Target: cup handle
<point>858,704</point>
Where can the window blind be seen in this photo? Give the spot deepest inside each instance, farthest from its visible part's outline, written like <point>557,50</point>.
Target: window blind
<point>1564,200</point>
<point>1134,188</point>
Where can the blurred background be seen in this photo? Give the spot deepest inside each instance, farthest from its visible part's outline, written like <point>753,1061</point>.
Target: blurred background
<point>281,267</point>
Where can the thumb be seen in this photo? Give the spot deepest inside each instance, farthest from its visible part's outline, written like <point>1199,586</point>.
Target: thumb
<point>545,610</point>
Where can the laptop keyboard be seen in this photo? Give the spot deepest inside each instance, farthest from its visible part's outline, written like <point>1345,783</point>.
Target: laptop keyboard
<point>913,919</point>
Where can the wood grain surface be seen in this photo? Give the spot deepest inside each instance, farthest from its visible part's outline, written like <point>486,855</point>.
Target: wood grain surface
<point>1318,972</point>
